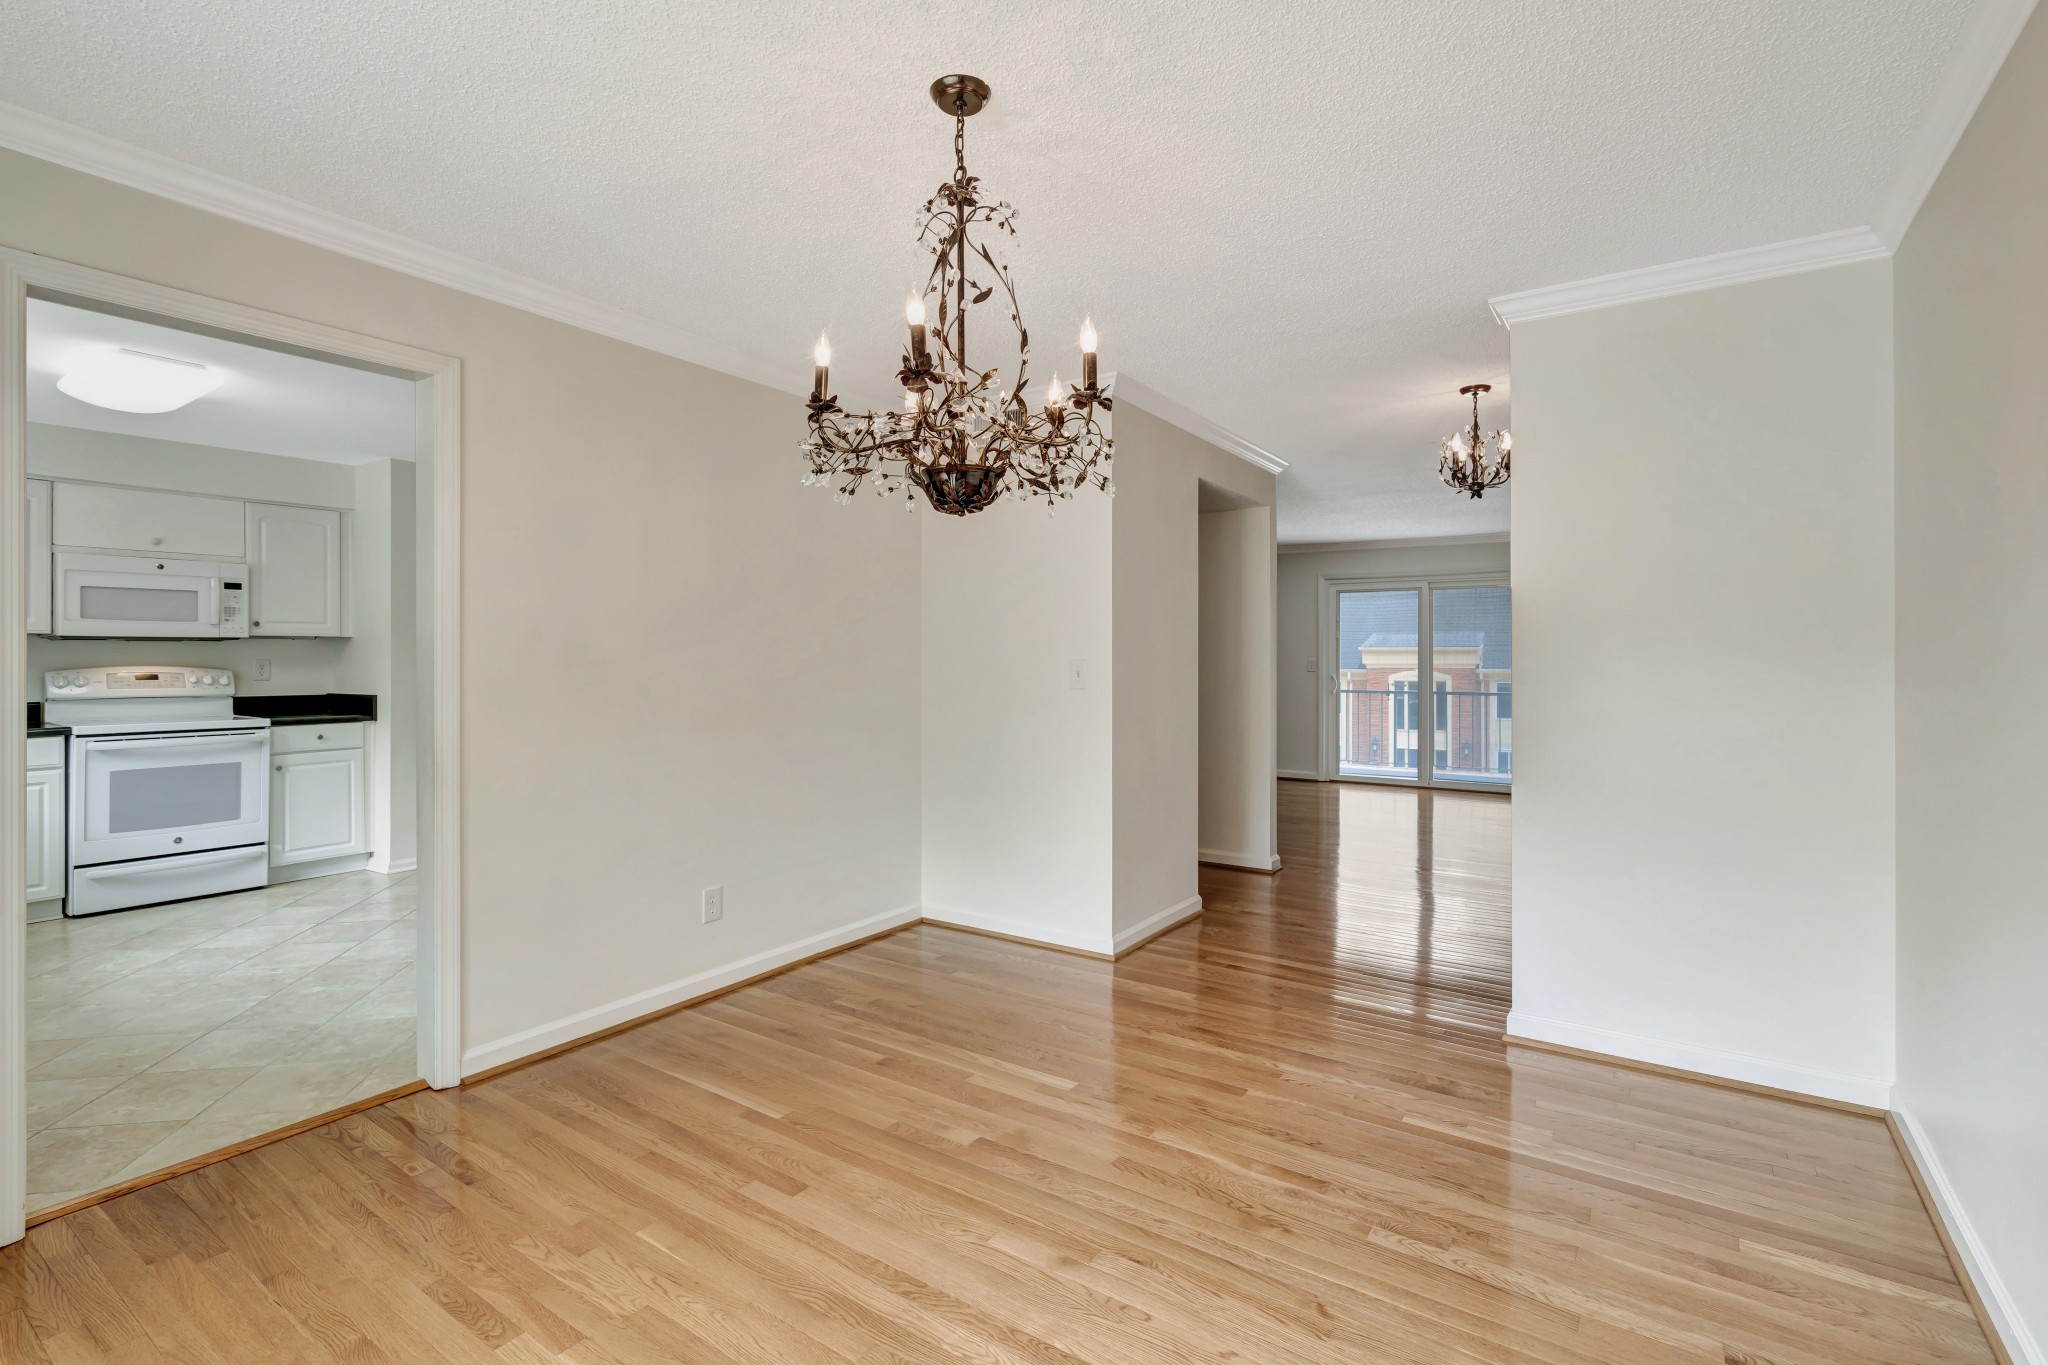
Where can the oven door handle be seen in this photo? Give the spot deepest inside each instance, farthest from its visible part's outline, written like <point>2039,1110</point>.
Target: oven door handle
<point>146,865</point>
<point>179,741</point>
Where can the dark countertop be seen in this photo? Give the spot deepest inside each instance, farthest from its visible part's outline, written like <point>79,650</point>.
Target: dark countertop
<point>310,708</point>
<point>36,727</point>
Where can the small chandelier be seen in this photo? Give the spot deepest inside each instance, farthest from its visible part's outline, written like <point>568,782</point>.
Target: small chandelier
<point>1464,464</point>
<point>962,438</point>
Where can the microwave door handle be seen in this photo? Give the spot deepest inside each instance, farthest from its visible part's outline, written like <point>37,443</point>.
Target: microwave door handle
<point>213,601</point>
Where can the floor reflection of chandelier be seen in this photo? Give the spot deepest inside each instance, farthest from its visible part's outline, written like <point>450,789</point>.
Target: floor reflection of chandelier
<point>962,438</point>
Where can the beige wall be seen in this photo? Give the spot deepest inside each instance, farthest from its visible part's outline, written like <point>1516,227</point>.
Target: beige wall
<point>1239,819</point>
<point>1053,812</point>
<point>1702,566</point>
<point>1299,693</point>
<point>1972,300</point>
<point>1158,666</point>
<point>681,668</point>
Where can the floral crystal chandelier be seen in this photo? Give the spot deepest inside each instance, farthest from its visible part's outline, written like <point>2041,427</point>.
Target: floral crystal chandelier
<point>962,438</point>
<point>1464,464</point>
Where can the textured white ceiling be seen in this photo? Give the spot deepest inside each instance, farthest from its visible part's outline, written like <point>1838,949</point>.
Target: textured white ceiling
<point>269,401</point>
<point>1286,217</point>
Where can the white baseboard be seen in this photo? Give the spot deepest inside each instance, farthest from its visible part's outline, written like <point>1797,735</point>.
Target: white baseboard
<point>393,867</point>
<point>1299,776</point>
<point>1023,929</point>
<point>542,1037</point>
<point>2019,1342</point>
<point>1159,923</point>
<point>1874,1091</point>
<point>1245,860</point>
<point>319,867</point>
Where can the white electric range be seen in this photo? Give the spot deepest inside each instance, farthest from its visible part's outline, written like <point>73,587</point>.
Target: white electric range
<point>169,788</point>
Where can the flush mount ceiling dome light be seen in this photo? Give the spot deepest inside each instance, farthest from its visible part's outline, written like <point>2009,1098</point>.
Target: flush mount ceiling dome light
<point>962,438</point>
<point>1464,464</point>
<point>136,381</point>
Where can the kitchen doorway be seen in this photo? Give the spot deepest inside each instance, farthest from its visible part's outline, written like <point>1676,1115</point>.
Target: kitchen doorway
<point>330,873</point>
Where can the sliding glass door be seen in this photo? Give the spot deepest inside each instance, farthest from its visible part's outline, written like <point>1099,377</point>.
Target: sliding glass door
<point>1379,712</point>
<point>1422,687</point>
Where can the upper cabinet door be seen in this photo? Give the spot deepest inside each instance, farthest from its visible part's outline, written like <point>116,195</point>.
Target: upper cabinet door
<point>295,585</point>
<point>38,556</point>
<point>93,517</point>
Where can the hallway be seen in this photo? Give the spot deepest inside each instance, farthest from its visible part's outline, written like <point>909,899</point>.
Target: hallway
<point>1286,1133</point>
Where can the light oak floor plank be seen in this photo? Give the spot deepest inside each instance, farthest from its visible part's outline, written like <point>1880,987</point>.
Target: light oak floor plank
<point>1286,1132</point>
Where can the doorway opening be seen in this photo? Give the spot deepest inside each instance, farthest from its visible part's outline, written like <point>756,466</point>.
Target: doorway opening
<point>234,650</point>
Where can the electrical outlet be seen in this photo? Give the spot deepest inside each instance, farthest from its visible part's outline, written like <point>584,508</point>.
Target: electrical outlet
<point>1311,665</point>
<point>714,904</point>
<point>260,671</point>
<point>1077,674</point>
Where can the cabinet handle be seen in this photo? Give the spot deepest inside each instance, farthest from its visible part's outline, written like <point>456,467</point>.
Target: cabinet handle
<point>156,540</point>
<point>280,767</point>
<point>319,736</point>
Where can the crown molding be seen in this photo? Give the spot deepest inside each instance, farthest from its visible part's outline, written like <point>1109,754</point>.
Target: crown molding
<point>1188,420</point>
<point>49,139</point>
<point>1981,49</point>
<point>1318,547</point>
<point>1687,277</point>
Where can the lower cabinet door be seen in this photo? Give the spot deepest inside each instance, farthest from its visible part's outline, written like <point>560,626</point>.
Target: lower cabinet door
<point>318,805</point>
<point>45,834</point>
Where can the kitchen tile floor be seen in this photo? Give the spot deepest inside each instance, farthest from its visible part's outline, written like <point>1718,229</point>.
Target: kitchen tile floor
<point>161,1034</point>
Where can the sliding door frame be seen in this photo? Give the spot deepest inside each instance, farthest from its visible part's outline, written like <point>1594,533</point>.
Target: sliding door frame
<point>1329,667</point>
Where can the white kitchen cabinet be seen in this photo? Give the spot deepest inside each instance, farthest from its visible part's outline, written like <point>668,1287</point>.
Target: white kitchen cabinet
<point>319,796</point>
<point>38,556</point>
<point>295,568</point>
<point>94,516</point>
<point>45,822</point>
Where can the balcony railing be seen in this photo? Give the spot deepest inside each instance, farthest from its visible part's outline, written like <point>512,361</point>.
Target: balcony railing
<point>1381,733</point>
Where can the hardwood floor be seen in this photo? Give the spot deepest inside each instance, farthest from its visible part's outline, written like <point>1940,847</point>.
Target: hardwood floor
<point>1288,1133</point>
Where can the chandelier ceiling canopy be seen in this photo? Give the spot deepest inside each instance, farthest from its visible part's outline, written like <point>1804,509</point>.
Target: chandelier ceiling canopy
<point>963,437</point>
<point>1465,464</point>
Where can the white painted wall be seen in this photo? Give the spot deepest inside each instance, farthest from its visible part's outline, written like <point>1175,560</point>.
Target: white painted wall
<point>681,667</point>
<point>379,658</point>
<point>1702,566</point>
<point>1238,818</point>
<point>1300,698</point>
<point>1016,761</point>
<point>1053,813</point>
<point>139,462</point>
<point>1972,300</point>
<point>1156,518</point>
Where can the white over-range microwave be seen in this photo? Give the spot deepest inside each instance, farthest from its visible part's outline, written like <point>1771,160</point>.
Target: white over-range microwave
<point>153,597</point>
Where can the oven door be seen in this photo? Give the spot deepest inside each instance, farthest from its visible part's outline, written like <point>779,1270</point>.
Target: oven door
<point>137,597</point>
<point>144,796</point>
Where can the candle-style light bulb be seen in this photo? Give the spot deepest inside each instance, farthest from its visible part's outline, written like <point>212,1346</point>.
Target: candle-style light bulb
<point>913,313</point>
<point>1087,335</point>
<point>1088,354</point>
<point>821,358</point>
<point>1055,396</point>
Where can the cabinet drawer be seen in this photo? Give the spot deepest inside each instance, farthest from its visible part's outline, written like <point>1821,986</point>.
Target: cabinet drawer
<point>46,751</point>
<point>302,739</point>
<point>88,516</point>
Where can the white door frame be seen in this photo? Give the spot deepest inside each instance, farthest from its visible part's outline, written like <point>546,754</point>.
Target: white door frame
<point>1330,667</point>
<point>439,741</point>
